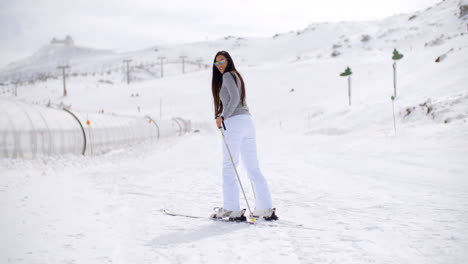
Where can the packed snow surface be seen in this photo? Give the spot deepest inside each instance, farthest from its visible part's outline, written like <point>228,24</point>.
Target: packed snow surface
<point>363,191</point>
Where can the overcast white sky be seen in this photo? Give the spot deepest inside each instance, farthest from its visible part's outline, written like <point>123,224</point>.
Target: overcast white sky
<point>123,25</point>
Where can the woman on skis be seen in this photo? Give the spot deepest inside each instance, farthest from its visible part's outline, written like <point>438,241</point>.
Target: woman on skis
<point>231,110</point>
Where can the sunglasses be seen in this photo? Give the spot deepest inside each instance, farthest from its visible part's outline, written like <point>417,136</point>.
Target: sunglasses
<point>220,62</point>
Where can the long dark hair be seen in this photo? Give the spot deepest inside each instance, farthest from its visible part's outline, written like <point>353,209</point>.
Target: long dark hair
<point>217,81</point>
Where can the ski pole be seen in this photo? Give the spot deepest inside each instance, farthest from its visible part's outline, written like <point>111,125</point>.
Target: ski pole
<point>235,169</point>
<point>251,184</point>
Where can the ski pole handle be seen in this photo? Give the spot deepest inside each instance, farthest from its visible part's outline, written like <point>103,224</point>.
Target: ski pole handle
<point>222,121</point>
<point>224,126</point>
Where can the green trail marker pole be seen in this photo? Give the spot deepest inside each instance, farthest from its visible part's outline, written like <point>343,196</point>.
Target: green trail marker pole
<point>396,56</point>
<point>348,73</point>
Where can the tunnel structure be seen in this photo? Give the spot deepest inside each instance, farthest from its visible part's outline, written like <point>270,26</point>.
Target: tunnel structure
<point>30,131</point>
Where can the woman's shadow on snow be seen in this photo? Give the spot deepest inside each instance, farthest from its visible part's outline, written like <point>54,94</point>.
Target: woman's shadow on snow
<point>192,235</point>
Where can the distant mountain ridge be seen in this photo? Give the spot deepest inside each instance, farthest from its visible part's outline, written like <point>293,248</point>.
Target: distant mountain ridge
<point>55,53</point>
<point>423,29</point>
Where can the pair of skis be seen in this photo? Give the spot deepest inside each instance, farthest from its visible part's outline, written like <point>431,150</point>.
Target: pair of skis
<point>249,221</point>
<point>168,212</point>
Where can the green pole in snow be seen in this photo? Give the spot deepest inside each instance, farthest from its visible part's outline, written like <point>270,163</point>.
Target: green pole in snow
<point>396,56</point>
<point>348,73</point>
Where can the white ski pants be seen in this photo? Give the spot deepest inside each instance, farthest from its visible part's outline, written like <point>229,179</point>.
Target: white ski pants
<point>240,138</point>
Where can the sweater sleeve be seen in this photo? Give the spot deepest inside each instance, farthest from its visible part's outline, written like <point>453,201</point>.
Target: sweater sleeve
<point>228,81</point>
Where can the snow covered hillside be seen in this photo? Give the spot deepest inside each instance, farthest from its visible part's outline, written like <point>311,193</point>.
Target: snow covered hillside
<point>432,27</point>
<point>362,193</point>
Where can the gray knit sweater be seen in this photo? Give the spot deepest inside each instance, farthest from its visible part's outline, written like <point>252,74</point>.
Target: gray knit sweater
<point>230,96</point>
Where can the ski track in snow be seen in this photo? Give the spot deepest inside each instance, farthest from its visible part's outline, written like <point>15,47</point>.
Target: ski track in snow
<point>357,208</point>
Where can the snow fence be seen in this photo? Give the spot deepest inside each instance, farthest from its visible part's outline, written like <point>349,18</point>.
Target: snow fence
<point>29,131</point>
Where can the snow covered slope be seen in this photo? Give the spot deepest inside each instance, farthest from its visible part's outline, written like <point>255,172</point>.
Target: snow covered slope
<point>364,193</point>
<point>445,22</point>
<point>48,57</point>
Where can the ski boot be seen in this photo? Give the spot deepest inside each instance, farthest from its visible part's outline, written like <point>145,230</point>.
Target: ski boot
<point>267,214</point>
<point>222,213</point>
